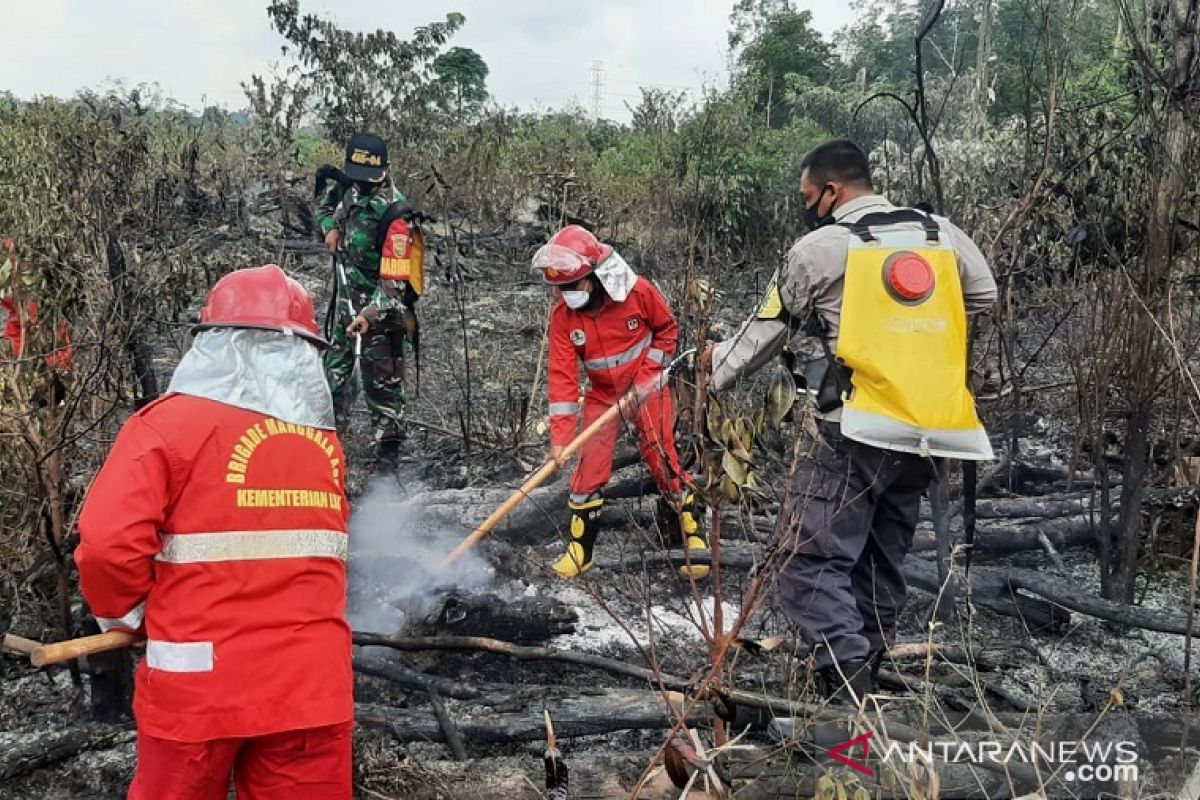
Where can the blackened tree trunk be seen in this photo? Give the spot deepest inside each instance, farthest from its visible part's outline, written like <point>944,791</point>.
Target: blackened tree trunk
<point>1170,62</point>
<point>136,348</point>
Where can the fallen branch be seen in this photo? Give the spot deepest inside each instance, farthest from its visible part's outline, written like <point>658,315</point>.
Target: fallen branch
<point>450,732</point>
<point>991,540</point>
<point>416,681</point>
<point>1027,478</point>
<point>520,652</point>
<point>1051,552</point>
<point>901,651</point>
<point>989,590</point>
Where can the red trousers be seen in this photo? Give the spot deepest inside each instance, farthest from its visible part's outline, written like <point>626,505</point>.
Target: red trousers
<point>309,764</point>
<point>655,424</point>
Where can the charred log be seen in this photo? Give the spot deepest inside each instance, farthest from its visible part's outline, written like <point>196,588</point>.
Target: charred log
<point>999,536</point>
<point>536,520</point>
<point>524,620</point>
<point>990,590</point>
<point>1000,589</point>
<point>585,715</point>
<point>1064,594</point>
<point>26,752</point>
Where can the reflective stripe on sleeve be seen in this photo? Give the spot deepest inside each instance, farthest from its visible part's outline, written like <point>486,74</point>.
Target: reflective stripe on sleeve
<point>130,621</point>
<point>563,409</point>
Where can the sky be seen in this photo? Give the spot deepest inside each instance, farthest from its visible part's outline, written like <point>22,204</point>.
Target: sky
<point>540,52</point>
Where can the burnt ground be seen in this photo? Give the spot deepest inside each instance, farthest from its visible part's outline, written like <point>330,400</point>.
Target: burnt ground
<point>1072,669</point>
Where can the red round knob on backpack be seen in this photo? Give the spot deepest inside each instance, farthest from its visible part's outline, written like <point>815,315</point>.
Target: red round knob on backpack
<point>908,277</point>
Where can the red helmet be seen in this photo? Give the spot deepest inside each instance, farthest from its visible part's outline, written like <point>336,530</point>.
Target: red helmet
<point>569,255</point>
<point>264,298</point>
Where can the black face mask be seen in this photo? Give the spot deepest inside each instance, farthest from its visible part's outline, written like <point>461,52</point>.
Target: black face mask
<point>811,217</point>
<point>366,187</point>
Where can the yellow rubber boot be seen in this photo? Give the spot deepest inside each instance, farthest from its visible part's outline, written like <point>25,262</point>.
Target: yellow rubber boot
<point>693,536</point>
<point>585,525</point>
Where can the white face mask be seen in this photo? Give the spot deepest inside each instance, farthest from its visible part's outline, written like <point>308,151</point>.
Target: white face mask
<point>576,300</point>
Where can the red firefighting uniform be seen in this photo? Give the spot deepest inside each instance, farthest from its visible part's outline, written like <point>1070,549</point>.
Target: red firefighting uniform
<point>224,530</point>
<point>14,332</point>
<point>620,345</point>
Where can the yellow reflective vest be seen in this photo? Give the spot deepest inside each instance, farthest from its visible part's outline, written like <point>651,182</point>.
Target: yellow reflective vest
<point>903,334</point>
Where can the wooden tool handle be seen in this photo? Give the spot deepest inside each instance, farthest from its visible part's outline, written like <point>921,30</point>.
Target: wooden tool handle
<point>19,644</point>
<point>534,481</point>
<point>58,652</point>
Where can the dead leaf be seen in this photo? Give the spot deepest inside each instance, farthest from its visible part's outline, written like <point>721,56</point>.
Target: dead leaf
<point>756,646</point>
<point>781,395</point>
<point>730,489</point>
<point>734,469</point>
<point>713,416</point>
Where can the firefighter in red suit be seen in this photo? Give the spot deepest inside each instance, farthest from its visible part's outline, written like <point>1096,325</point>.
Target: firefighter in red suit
<point>217,527</point>
<point>17,317</point>
<point>617,325</point>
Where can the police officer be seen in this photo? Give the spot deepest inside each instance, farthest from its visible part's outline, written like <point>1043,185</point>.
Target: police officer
<point>349,217</point>
<point>887,291</point>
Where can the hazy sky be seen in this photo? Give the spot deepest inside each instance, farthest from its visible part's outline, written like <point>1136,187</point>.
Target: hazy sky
<point>540,52</point>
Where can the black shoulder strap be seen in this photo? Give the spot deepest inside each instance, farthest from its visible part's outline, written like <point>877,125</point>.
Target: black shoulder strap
<point>862,227</point>
<point>400,209</point>
<point>327,173</point>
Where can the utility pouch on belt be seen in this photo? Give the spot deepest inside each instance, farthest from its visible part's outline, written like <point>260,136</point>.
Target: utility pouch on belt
<point>826,378</point>
<point>832,381</point>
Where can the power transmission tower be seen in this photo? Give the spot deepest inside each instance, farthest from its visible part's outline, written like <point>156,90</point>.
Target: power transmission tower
<point>597,88</point>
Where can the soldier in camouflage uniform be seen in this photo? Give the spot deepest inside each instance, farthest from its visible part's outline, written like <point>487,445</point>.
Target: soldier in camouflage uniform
<point>350,218</point>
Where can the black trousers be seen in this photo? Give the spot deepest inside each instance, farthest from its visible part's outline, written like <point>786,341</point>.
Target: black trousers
<point>853,511</point>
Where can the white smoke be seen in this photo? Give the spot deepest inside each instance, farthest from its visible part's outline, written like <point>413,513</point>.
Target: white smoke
<point>394,570</point>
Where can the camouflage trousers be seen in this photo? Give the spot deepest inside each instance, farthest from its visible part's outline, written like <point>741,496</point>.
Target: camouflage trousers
<point>381,366</point>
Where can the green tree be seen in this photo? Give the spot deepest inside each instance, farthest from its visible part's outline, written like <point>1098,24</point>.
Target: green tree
<point>878,46</point>
<point>364,81</point>
<point>1074,43</point>
<point>463,73</point>
<point>778,53</point>
<point>658,112</point>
